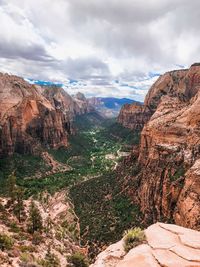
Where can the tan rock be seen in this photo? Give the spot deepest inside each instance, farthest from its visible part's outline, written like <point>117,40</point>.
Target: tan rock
<point>169,186</point>
<point>164,247</point>
<point>134,116</point>
<point>141,256</point>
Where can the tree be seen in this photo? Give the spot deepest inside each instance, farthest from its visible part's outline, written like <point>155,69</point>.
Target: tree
<point>16,195</point>
<point>19,203</point>
<point>35,219</point>
<point>11,185</point>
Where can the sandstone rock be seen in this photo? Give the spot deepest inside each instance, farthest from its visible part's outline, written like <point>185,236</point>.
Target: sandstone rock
<point>32,117</point>
<point>134,116</point>
<point>111,256</point>
<point>169,182</point>
<point>164,248</point>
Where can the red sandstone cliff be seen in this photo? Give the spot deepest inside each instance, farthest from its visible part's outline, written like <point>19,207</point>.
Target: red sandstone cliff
<point>134,116</point>
<point>167,185</point>
<point>70,106</point>
<point>31,117</point>
<point>183,84</point>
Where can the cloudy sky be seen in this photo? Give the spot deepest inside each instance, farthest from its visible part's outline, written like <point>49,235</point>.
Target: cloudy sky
<point>100,47</point>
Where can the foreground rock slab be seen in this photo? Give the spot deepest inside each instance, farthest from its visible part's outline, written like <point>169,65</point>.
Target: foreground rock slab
<point>166,245</point>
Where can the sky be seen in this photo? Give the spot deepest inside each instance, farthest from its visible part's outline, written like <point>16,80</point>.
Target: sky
<point>99,47</point>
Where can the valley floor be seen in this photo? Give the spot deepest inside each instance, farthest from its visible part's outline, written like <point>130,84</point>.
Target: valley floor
<point>87,171</point>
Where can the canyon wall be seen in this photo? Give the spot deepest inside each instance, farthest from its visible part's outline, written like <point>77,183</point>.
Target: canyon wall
<point>168,180</point>
<point>32,117</point>
<point>134,116</point>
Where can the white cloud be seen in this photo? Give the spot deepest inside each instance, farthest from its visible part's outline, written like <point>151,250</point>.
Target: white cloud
<point>98,42</point>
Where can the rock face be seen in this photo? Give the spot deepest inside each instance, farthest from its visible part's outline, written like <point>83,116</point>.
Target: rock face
<point>166,245</point>
<point>83,104</point>
<point>183,84</point>
<point>134,116</point>
<point>31,117</point>
<point>167,185</point>
<point>70,106</point>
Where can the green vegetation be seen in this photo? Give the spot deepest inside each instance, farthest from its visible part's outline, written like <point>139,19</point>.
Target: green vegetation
<point>104,211</point>
<point>35,219</point>
<point>100,202</point>
<point>95,138</point>
<point>51,260</point>
<point>133,238</point>
<point>78,260</point>
<point>6,242</point>
<point>178,174</point>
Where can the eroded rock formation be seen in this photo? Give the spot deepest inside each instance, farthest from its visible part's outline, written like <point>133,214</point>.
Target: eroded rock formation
<point>134,116</point>
<point>31,117</point>
<point>166,245</point>
<point>168,180</point>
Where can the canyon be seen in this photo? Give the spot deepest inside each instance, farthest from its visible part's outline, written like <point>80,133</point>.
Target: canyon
<point>141,170</point>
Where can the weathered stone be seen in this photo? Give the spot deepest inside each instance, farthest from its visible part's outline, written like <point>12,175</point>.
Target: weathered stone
<point>164,247</point>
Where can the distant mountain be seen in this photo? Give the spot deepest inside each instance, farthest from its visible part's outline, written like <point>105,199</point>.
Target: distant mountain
<point>110,106</point>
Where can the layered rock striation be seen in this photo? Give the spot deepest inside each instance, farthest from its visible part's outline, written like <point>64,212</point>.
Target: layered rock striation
<point>134,116</point>
<point>31,117</point>
<point>167,183</point>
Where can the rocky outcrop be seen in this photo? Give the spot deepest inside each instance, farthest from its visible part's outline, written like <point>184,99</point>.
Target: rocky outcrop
<point>134,116</point>
<point>166,245</point>
<point>32,117</point>
<point>27,119</point>
<point>70,106</point>
<point>83,104</point>
<point>168,180</point>
<point>183,84</point>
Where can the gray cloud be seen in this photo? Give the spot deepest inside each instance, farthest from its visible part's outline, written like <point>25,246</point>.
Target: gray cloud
<point>98,41</point>
<point>86,68</point>
<point>32,52</point>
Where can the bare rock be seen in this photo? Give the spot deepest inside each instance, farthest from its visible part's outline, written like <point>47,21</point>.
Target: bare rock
<point>164,247</point>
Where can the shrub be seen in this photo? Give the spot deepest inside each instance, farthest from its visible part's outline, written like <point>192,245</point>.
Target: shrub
<point>37,238</point>
<point>6,242</point>
<point>50,260</point>
<point>78,260</point>
<point>133,238</point>
<point>14,227</point>
<point>25,248</point>
<point>179,173</point>
<point>26,258</point>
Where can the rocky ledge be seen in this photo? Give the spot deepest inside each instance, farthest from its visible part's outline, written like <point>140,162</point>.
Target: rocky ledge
<point>166,245</point>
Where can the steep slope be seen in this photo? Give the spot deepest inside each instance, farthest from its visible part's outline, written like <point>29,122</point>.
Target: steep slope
<point>183,84</point>
<point>83,103</point>
<point>167,185</point>
<point>27,118</point>
<point>58,238</point>
<point>166,245</point>
<point>70,106</point>
<point>32,117</point>
<point>134,116</point>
